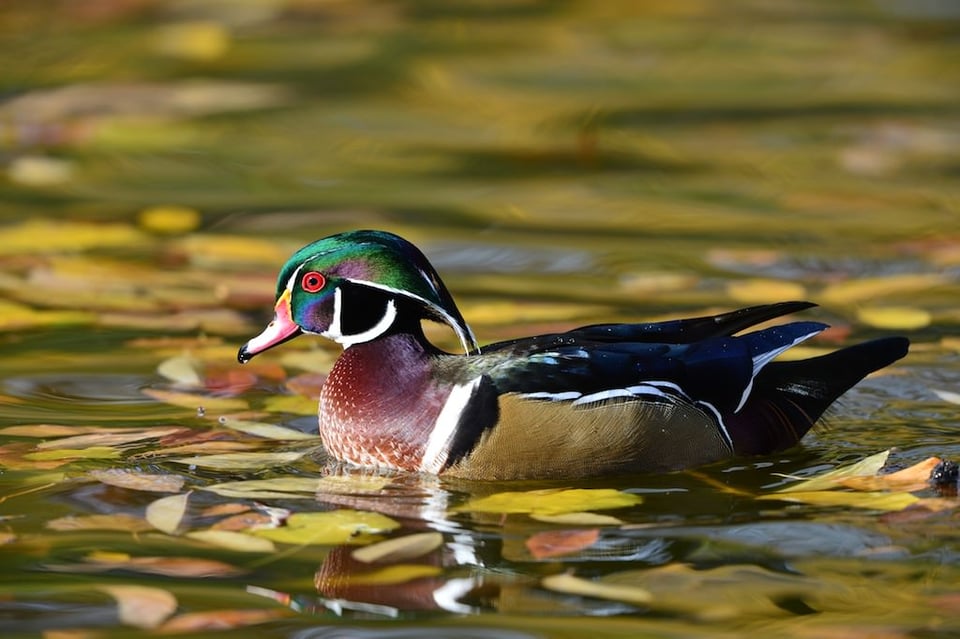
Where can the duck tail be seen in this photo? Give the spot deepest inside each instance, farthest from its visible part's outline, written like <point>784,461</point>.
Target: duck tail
<point>789,397</point>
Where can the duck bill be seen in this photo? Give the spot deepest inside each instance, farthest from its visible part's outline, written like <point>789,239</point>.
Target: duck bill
<point>281,329</point>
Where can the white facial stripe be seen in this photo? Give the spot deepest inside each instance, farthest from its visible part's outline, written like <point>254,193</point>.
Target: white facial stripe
<point>293,278</point>
<point>335,331</point>
<point>438,445</point>
<point>464,334</point>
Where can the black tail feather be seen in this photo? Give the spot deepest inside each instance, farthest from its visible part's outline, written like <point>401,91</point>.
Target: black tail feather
<point>789,397</point>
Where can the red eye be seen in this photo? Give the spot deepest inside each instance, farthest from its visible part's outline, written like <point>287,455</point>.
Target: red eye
<point>313,281</point>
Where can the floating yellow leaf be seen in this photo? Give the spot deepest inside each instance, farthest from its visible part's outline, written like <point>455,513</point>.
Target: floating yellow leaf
<point>894,317</point>
<point>169,220</point>
<point>400,548</point>
<point>94,452</point>
<point>763,291</point>
<point>869,500</point>
<point>869,466</point>
<point>40,170</point>
<point>62,235</point>
<point>571,585</point>
<point>551,501</point>
<point>196,402</point>
<point>330,528</point>
<point>165,514</point>
<point>915,477</point>
<point>219,250</point>
<point>19,316</point>
<point>141,606</point>
<point>193,40</point>
<point>138,481</point>
<point>352,483</point>
<point>241,461</point>
<point>232,540</point>
<point>393,575</point>
<point>267,431</point>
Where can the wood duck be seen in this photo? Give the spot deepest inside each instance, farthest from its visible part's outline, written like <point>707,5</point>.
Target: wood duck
<point>596,400</point>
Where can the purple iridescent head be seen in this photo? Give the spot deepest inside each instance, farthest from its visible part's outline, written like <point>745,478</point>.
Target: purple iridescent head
<point>346,287</point>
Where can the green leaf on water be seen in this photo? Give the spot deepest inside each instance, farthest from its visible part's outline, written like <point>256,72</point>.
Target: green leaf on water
<point>330,528</point>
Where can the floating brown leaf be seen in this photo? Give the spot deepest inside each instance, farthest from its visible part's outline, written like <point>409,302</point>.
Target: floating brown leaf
<point>219,620</point>
<point>192,567</point>
<point>116,521</point>
<point>138,481</point>
<point>556,543</point>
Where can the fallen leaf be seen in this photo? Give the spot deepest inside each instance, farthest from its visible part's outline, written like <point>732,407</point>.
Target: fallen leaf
<point>288,487</point>
<point>166,513</point>
<point>246,521</point>
<point>868,466</point>
<point>916,477</point>
<point>571,585</point>
<point>196,402</point>
<point>393,575</point>
<point>116,521</point>
<point>66,236</point>
<point>869,500</point>
<point>578,519</point>
<point>330,528</point>
<point>233,540</point>
<point>191,567</point>
<point>52,430</point>
<point>267,431</point>
<point>764,291</point>
<point>947,396</point>
<point>182,370</point>
<point>219,620</point>
<point>108,437</point>
<point>242,461</point>
<point>399,548</point>
<point>94,452</point>
<point>869,289</point>
<point>138,481</point>
<point>141,606</point>
<point>551,501</point>
<point>168,220</point>
<point>295,404</point>
<point>556,543</point>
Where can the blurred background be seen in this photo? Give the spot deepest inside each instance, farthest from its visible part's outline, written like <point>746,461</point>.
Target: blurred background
<point>561,163</point>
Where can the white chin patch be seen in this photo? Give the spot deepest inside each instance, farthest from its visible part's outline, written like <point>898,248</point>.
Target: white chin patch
<point>335,332</point>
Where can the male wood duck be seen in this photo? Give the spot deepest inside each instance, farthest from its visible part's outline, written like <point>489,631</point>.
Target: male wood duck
<point>596,400</point>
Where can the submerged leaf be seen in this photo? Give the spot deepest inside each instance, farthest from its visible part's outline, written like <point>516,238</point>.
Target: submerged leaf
<point>165,514</point>
<point>168,566</point>
<point>94,452</point>
<point>400,548</point>
<point>289,487</point>
<point>578,519</point>
<point>116,521</point>
<point>232,540</point>
<point>196,402</point>
<point>220,620</point>
<point>142,606</point>
<point>267,431</point>
<point>138,481</point>
<point>556,543</point>
<point>330,528</point>
<point>568,584</point>
<point>551,501</point>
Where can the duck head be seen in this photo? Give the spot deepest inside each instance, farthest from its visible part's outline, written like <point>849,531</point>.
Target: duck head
<point>351,288</point>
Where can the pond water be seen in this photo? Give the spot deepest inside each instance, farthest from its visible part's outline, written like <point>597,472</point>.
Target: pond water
<point>561,164</point>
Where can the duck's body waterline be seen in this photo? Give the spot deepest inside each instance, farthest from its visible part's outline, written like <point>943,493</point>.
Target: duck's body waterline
<point>593,401</point>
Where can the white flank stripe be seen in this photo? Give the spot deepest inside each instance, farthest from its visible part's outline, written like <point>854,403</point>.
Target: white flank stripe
<point>557,397</point>
<point>438,445</point>
<point>723,427</point>
<point>763,359</point>
<point>602,395</point>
